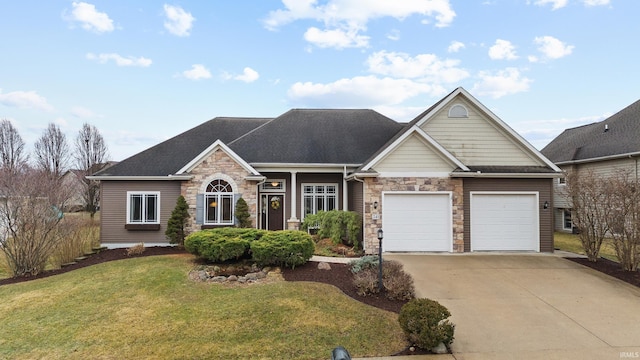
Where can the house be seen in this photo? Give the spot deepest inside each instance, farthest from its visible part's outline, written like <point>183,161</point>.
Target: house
<point>74,181</point>
<point>602,148</point>
<point>455,179</point>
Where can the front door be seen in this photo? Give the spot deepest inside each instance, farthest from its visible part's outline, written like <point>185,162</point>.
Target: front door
<point>272,211</point>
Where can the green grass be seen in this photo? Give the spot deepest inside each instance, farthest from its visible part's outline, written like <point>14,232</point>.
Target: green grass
<point>571,243</point>
<point>147,308</point>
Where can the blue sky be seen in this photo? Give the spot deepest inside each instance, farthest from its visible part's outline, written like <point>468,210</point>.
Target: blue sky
<point>142,72</point>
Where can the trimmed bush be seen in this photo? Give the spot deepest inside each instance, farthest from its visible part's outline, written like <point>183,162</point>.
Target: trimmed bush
<point>222,244</point>
<point>284,248</point>
<point>425,323</point>
<point>242,214</point>
<point>363,263</point>
<point>177,222</point>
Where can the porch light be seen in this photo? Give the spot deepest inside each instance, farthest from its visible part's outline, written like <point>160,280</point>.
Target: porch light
<point>375,206</point>
<point>546,205</point>
<point>380,235</point>
<point>275,183</point>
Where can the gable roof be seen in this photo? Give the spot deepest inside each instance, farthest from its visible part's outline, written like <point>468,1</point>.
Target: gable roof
<point>170,156</point>
<point>618,135</point>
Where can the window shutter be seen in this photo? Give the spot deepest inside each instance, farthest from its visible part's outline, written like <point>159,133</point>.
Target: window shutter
<point>199,209</point>
<point>233,211</point>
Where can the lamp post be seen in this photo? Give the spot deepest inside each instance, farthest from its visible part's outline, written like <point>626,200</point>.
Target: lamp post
<point>380,235</point>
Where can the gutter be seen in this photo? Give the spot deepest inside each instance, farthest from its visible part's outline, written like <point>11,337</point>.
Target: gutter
<point>602,158</point>
<point>507,175</point>
<point>142,178</point>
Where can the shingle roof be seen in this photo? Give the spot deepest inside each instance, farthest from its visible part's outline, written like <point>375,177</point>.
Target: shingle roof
<point>616,135</point>
<point>171,155</point>
<point>317,136</point>
<point>296,137</point>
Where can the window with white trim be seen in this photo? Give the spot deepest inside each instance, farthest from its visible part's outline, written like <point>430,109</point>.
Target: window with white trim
<point>218,203</point>
<point>319,197</point>
<point>567,222</point>
<point>562,181</point>
<point>143,207</point>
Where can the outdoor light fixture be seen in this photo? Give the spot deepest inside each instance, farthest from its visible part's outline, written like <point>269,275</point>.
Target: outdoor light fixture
<point>275,183</point>
<point>546,205</point>
<point>380,235</point>
<point>213,204</point>
<point>375,206</point>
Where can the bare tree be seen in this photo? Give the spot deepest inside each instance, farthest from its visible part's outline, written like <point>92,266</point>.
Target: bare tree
<point>52,151</point>
<point>91,153</point>
<point>12,155</point>
<point>590,207</point>
<point>624,219</point>
<point>29,215</point>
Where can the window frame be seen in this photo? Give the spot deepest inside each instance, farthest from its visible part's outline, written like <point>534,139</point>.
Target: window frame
<point>144,216</point>
<point>316,195</point>
<point>219,197</point>
<point>564,219</point>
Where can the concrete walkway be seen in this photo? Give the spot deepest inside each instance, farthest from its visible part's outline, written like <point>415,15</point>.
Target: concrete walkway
<point>530,306</point>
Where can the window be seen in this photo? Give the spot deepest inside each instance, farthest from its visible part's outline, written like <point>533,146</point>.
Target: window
<point>218,201</point>
<point>273,185</point>
<point>568,224</point>
<point>143,207</point>
<point>562,181</point>
<point>458,111</point>
<point>321,197</point>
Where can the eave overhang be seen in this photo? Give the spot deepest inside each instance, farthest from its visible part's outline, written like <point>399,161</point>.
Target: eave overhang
<point>142,178</point>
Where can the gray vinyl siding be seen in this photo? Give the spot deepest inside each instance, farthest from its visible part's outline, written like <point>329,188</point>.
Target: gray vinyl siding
<point>610,167</point>
<point>544,187</point>
<point>113,210</point>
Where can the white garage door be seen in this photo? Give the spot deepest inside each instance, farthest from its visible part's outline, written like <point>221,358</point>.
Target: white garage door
<point>504,221</point>
<point>416,222</point>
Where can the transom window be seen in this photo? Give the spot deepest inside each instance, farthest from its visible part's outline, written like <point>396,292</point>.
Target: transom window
<point>143,207</point>
<point>273,185</point>
<point>218,200</point>
<point>319,197</point>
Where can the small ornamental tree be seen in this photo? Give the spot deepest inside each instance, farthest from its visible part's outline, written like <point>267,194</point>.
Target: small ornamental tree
<point>242,214</point>
<point>177,222</point>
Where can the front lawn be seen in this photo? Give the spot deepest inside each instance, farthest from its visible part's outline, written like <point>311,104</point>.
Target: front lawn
<point>147,308</point>
<point>571,243</point>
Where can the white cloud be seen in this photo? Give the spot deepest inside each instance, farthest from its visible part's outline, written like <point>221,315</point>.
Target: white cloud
<point>596,2</point>
<point>360,91</point>
<point>540,132</point>
<point>345,19</point>
<point>552,48</point>
<point>504,82</point>
<point>90,18</point>
<point>25,100</point>
<point>120,60</point>
<point>179,22</point>
<point>83,113</point>
<point>197,72</point>
<point>503,50</point>
<point>455,46</point>
<point>394,35</point>
<point>555,4</point>
<point>249,75</point>
<point>426,67</point>
<point>336,38</point>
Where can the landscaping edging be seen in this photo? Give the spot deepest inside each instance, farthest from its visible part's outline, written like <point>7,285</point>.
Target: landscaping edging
<point>219,274</point>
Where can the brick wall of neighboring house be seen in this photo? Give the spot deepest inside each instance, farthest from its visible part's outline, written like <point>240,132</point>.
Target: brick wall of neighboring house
<point>218,165</point>
<point>373,192</point>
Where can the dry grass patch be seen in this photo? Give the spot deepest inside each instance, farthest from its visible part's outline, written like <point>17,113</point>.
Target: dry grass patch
<point>147,308</point>
<point>571,243</point>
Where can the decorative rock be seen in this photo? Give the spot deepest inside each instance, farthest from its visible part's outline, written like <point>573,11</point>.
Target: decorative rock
<point>324,266</point>
<point>252,276</point>
<point>440,349</point>
<point>260,275</point>
<point>232,278</point>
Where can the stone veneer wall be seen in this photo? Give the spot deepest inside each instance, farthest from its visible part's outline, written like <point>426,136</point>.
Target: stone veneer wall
<point>373,192</point>
<point>218,163</point>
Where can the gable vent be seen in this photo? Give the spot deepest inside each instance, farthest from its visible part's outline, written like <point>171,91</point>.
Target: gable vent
<point>458,111</point>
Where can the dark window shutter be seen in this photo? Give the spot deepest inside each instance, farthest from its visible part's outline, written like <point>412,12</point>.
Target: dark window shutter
<point>200,209</point>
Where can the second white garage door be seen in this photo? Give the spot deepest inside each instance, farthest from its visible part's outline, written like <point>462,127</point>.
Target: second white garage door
<point>417,221</point>
<point>504,221</point>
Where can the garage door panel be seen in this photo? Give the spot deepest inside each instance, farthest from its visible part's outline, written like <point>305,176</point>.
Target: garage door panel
<point>504,222</point>
<point>417,222</point>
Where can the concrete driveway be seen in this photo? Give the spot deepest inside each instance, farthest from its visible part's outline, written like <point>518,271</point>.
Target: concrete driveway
<point>535,306</point>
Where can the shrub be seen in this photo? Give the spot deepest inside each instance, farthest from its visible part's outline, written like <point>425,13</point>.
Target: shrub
<point>137,249</point>
<point>335,224</point>
<point>398,285</point>
<point>76,236</point>
<point>363,263</point>
<point>242,214</point>
<point>177,222</point>
<point>285,248</point>
<point>222,244</point>
<point>425,323</point>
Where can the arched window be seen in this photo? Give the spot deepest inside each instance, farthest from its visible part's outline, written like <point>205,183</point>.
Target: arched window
<point>218,201</point>
<point>458,111</point>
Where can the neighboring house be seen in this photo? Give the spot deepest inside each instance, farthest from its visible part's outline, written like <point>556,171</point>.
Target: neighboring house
<point>455,179</point>
<point>602,148</point>
<point>74,181</point>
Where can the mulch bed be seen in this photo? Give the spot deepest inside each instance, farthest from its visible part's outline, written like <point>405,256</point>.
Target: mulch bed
<point>610,268</point>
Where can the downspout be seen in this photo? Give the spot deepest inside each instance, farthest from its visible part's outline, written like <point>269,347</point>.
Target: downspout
<point>345,197</point>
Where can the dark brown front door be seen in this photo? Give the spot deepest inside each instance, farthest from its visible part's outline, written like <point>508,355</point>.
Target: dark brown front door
<point>273,211</point>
